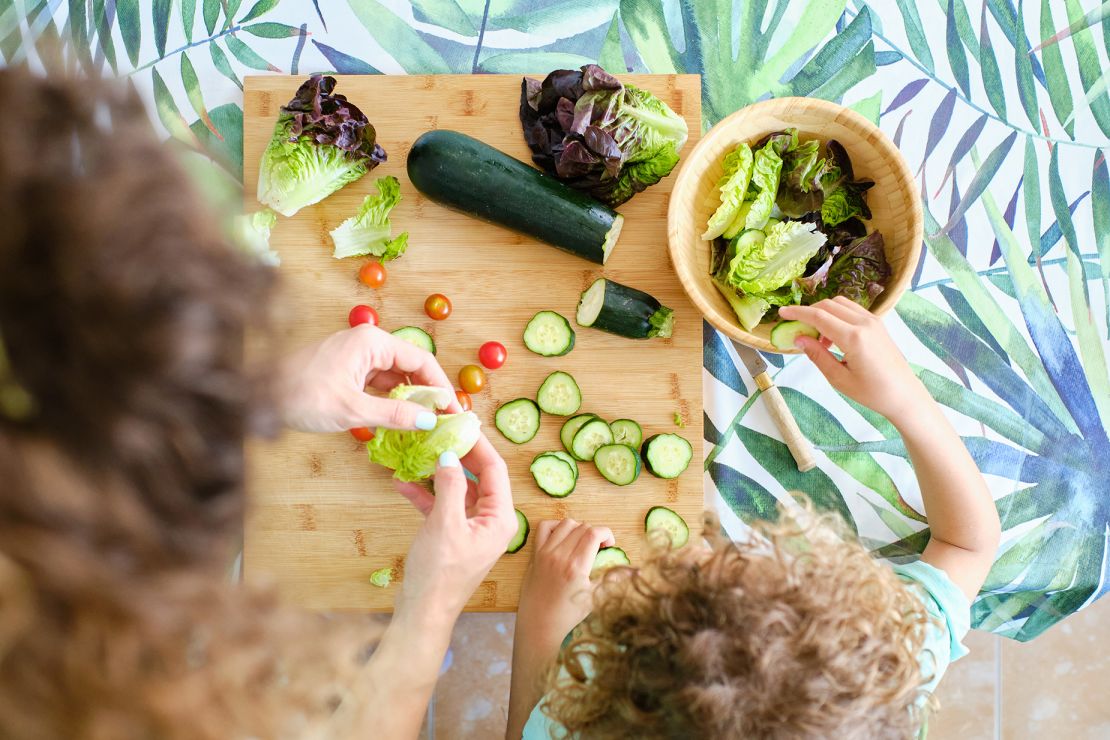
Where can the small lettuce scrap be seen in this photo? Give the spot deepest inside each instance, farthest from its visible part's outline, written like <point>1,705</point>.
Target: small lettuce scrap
<point>251,233</point>
<point>368,231</point>
<point>598,135</point>
<point>412,455</point>
<point>321,142</point>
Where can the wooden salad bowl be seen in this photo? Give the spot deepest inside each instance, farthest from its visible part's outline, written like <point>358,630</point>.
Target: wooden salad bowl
<point>895,205</point>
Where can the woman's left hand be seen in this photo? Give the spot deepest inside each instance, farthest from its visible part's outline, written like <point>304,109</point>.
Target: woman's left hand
<point>323,387</point>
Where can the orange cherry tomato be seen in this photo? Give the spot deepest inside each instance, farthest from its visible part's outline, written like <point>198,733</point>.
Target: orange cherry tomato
<point>362,314</point>
<point>372,274</point>
<point>437,306</point>
<point>492,355</point>
<point>464,400</point>
<point>472,378</point>
<point>362,434</point>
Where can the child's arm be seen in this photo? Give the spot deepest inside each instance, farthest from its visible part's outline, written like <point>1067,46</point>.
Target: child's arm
<point>555,597</point>
<point>962,517</point>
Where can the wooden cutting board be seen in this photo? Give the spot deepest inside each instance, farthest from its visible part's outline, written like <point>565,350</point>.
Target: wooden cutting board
<point>322,518</point>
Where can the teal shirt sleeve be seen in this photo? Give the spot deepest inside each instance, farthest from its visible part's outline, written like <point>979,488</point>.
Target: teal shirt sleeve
<point>949,607</point>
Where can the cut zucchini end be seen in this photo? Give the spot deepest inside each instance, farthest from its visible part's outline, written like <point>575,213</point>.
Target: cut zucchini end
<point>662,323</point>
<point>521,537</point>
<point>589,305</point>
<point>382,577</point>
<point>611,238</point>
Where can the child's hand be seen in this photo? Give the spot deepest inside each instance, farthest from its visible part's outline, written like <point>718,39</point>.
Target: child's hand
<point>873,372</point>
<point>557,590</point>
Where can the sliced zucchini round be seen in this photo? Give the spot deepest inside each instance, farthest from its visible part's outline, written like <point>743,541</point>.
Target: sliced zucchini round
<point>570,460</point>
<point>518,420</point>
<point>785,332</point>
<point>608,557</point>
<point>559,394</point>
<point>549,334</point>
<point>666,455</point>
<point>571,427</point>
<point>617,463</point>
<point>627,432</point>
<point>553,475</point>
<point>662,518</point>
<point>593,434</point>
<point>416,335</point>
<point>521,537</point>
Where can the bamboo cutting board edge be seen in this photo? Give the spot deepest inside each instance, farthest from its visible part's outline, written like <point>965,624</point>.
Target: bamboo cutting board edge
<point>322,518</point>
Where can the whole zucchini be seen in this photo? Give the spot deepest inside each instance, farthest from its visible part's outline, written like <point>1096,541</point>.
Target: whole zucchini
<point>461,172</point>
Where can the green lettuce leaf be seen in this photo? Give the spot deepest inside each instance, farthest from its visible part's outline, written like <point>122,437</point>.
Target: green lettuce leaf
<point>251,233</point>
<point>733,187</point>
<point>765,177</point>
<point>320,143</point>
<point>762,267</point>
<point>368,231</point>
<point>412,455</point>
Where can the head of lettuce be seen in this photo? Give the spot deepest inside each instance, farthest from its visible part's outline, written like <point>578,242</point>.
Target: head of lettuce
<point>412,455</point>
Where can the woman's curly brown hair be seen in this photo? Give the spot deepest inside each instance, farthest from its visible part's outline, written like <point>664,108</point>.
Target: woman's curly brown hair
<point>794,633</point>
<point>123,311</point>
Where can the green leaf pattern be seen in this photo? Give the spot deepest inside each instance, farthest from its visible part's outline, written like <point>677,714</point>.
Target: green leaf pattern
<point>1008,319</point>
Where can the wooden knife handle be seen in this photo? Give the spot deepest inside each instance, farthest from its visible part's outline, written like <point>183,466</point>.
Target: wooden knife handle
<point>799,446</point>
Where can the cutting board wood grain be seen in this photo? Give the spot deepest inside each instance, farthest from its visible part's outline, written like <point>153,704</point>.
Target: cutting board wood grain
<point>321,517</point>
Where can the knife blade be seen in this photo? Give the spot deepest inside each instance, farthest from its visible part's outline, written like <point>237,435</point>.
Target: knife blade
<point>796,442</point>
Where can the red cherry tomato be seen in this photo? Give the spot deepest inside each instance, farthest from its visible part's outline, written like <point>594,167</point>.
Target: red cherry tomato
<point>492,355</point>
<point>361,314</point>
<point>464,400</point>
<point>472,378</point>
<point>362,434</point>
<point>437,306</point>
<point>372,274</point>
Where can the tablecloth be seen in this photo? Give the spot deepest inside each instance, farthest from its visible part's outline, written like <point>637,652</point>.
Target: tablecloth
<point>1000,108</point>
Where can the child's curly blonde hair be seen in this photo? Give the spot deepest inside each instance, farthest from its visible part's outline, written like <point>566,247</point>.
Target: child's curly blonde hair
<point>796,634</point>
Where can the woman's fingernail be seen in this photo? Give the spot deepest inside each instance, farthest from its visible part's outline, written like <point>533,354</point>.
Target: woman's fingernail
<point>449,459</point>
<point>426,421</point>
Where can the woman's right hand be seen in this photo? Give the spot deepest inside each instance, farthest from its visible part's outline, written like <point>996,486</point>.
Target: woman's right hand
<point>872,372</point>
<point>467,527</point>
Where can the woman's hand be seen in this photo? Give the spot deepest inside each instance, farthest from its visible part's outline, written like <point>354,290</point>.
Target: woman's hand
<point>467,527</point>
<point>872,371</point>
<point>323,387</point>
<point>557,591</point>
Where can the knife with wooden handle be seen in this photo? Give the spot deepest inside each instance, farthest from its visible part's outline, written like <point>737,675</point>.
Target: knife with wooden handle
<point>799,446</point>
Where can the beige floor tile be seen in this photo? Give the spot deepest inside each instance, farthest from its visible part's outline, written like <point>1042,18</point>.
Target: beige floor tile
<point>967,693</point>
<point>472,697</point>
<point>1056,685</point>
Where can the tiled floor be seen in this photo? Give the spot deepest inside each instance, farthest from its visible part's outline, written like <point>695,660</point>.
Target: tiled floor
<point>1054,687</point>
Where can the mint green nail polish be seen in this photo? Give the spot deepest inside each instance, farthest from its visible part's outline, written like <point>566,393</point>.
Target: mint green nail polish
<point>449,459</point>
<point>426,421</point>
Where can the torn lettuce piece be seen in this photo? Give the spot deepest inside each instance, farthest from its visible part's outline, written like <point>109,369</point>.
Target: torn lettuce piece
<point>368,231</point>
<point>749,309</point>
<point>765,177</point>
<point>733,187</point>
<point>412,455</point>
<point>382,577</point>
<point>251,233</point>
<point>859,272</point>
<point>761,266</point>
